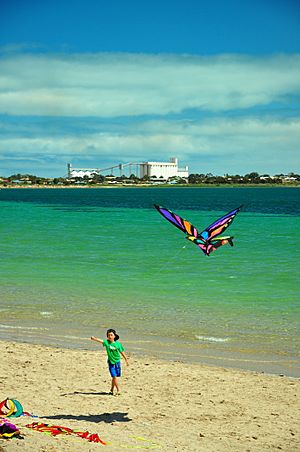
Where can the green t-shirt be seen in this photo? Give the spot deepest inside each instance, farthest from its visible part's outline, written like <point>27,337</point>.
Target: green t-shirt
<point>113,350</point>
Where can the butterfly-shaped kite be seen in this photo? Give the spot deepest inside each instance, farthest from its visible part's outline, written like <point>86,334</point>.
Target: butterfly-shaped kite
<point>208,239</point>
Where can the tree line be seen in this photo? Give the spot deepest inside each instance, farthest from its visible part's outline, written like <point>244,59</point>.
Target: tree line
<point>194,179</point>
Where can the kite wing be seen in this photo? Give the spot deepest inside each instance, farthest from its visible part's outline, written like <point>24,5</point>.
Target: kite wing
<point>208,247</point>
<point>208,240</point>
<point>184,225</point>
<point>216,228</point>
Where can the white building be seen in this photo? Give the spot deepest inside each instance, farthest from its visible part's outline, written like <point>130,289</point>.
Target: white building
<point>163,170</point>
<point>81,172</point>
<point>154,170</point>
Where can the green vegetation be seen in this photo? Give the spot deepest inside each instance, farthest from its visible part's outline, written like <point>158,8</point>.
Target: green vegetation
<point>247,179</point>
<point>254,178</point>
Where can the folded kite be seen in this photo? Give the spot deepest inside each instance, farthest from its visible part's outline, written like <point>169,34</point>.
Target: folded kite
<point>8,430</point>
<point>12,408</point>
<point>55,430</point>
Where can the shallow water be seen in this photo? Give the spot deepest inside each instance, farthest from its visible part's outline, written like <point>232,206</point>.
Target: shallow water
<point>76,262</point>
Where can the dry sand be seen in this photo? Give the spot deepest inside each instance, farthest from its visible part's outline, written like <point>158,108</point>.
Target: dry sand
<point>164,405</point>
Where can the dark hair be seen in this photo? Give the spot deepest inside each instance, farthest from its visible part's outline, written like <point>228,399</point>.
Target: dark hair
<point>117,337</point>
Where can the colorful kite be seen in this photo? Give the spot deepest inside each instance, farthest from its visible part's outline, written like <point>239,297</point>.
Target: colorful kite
<point>55,430</point>
<point>208,239</point>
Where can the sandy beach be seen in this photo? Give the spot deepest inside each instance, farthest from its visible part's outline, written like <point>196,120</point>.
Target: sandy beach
<point>163,405</point>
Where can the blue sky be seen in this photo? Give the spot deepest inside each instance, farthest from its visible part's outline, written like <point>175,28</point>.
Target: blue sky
<point>94,83</point>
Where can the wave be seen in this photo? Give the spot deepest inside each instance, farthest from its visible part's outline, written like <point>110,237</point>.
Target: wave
<point>15,327</point>
<point>212,339</point>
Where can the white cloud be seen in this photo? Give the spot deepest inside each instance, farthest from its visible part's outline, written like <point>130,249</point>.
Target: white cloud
<point>234,144</point>
<point>93,90</point>
<point>111,85</point>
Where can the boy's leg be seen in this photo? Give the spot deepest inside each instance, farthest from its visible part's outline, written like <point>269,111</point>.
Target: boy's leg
<point>115,371</point>
<point>112,374</point>
<point>115,384</point>
<point>112,385</point>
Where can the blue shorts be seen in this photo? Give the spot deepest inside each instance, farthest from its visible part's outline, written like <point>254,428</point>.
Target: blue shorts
<point>115,369</point>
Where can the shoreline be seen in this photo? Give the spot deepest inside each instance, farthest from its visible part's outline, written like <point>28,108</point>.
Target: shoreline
<point>270,364</point>
<point>163,405</point>
<point>151,186</point>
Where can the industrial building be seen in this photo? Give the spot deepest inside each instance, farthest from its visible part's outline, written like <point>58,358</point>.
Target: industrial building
<point>162,171</point>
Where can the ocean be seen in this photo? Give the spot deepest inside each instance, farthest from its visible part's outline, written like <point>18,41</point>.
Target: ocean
<point>75,262</point>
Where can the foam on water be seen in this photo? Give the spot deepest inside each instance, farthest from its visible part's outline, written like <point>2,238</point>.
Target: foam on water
<point>28,328</point>
<point>212,339</point>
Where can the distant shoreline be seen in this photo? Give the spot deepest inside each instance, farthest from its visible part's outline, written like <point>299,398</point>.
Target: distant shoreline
<point>187,186</point>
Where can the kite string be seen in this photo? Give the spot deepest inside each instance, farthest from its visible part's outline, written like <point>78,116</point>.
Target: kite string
<point>174,256</point>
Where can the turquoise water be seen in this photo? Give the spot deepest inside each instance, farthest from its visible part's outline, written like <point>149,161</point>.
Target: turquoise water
<point>75,262</point>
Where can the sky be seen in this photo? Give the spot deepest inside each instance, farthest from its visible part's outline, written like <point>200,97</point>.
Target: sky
<point>96,83</point>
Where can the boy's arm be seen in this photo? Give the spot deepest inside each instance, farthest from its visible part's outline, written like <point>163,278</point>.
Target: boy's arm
<point>93,338</point>
<point>125,357</point>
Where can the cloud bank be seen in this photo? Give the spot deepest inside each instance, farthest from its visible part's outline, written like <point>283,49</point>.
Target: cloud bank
<point>218,114</point>
<point>110,85</point>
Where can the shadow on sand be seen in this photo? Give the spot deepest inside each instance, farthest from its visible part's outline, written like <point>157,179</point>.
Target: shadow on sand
<point>85,393</point>
<point>105,417</point>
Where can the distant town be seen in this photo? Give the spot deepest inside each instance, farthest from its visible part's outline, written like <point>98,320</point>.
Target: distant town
<point>144,173</point>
